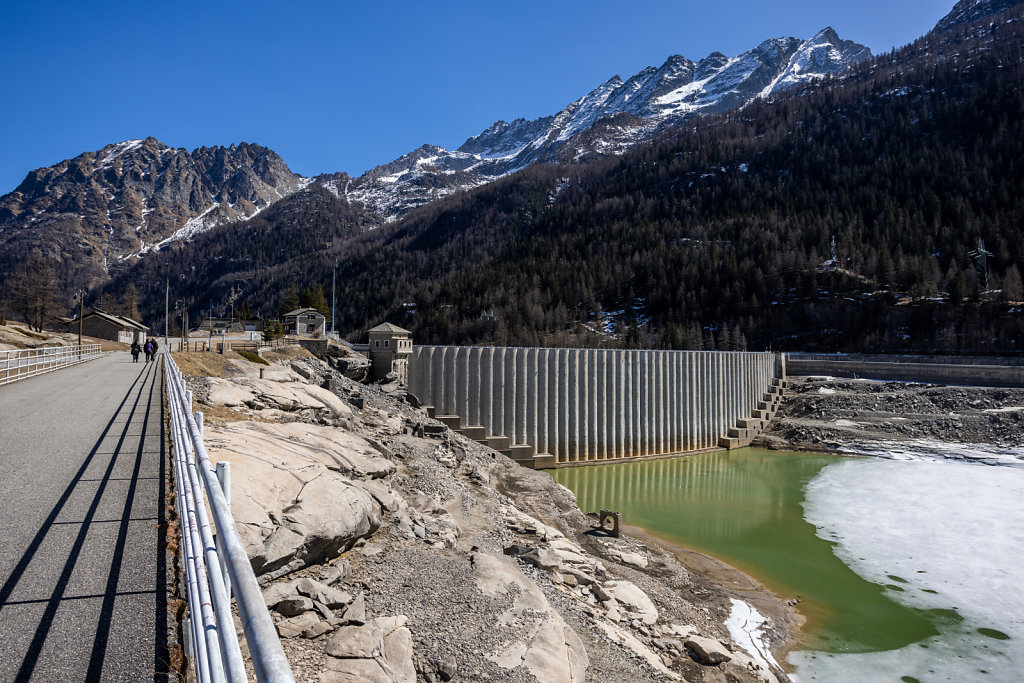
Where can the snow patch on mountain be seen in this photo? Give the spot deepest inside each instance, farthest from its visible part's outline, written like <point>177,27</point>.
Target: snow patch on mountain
<point>116,150</point>
<point>590,126</point>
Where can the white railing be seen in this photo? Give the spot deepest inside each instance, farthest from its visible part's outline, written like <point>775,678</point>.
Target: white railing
<point>214,567</point>
<point>25,363</point>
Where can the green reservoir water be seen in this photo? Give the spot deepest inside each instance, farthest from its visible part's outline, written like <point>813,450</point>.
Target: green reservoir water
<point>744,507</point>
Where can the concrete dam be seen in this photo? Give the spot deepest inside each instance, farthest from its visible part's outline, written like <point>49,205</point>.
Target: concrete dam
<point>564,407</point>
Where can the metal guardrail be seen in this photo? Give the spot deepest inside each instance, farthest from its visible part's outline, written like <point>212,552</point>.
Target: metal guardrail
<point>24,363</point>
<point>212,568</point>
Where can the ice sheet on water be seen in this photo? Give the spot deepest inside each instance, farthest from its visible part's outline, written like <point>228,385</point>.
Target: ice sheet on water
<point>951,535</point>
<point>931,449</point>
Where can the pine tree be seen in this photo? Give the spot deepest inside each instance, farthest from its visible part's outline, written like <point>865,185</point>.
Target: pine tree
<point>314,298</point>
<point>291,300</point>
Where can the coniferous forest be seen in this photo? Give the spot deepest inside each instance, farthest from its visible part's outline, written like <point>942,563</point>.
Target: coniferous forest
<point>839,217</point>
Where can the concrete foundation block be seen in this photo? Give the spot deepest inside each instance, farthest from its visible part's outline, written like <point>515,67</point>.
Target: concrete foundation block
<point>522,452</point>
<point>476,433</point>
<point>453,422</point>
<point>544,461</point>
<point>499,443</point>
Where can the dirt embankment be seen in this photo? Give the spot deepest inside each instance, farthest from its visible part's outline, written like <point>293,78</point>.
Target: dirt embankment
<point>822,413</point>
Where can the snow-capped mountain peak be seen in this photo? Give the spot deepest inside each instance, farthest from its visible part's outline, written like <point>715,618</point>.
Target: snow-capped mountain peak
<point>644,103</point>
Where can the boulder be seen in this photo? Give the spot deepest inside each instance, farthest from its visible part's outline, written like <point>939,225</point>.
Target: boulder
<point>538,637</point>
<point>381,650</point>
<point>708,651</point>
<point>625,557</point>
<point>542,558</point>
<point>333,573</point>
<point>277,592</point>
<point>229,394</point>
<point>294,606</point>
<point>295,498</point>
<point>355,366</point>
<point>325,595</point>
<point>294,627</point>
<point>632,598</point>
<point>356,612</point>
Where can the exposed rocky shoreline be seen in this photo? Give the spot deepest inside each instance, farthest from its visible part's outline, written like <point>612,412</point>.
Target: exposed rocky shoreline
<point>388,556</point>
<point>895,419</point>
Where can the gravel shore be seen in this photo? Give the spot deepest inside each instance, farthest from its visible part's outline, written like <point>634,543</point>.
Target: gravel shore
<point>866,416</point>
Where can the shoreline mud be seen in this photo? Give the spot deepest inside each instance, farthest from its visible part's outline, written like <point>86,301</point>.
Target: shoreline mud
<point>786,619</point>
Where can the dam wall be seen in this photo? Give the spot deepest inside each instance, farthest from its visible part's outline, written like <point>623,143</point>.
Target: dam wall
<point>586,405</point>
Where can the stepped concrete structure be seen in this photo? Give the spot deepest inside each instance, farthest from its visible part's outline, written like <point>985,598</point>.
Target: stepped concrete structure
<point>565,407</point>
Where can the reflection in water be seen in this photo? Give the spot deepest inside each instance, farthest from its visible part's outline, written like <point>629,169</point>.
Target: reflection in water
<point>745,507</point>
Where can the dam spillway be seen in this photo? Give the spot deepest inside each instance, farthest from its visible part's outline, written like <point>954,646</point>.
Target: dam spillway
<point>576,406</point>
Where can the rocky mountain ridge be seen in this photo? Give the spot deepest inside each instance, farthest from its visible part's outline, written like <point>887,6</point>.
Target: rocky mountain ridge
<point>102,209</point>
<point>623,114</point>
<point>99,209</point>
<point>967,11</point>
<point>93,211</point>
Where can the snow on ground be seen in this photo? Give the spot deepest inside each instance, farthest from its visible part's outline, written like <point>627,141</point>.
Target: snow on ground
<point>746,627</point>
<point>951,534</point>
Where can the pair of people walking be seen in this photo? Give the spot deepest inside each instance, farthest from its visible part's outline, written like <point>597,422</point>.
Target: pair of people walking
<point>149,348</point>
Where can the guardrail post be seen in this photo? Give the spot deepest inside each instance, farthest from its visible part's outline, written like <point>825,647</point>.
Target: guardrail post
<point>199,421</point>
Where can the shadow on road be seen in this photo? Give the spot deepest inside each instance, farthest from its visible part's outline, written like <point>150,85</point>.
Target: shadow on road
<point>140,411</point>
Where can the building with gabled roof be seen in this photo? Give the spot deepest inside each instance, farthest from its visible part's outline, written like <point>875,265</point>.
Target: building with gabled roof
<point>103,325</point>
<point>305,322</point>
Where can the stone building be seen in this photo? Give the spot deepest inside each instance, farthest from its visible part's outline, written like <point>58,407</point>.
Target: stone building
<point>305,322</point>
<point>102,325</point>
<point>390,349</point>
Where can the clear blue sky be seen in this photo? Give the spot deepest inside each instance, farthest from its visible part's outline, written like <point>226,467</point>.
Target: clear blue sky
<point>340,86</point>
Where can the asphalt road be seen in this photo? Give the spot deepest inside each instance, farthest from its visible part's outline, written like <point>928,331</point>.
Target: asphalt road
<point>82,572</point>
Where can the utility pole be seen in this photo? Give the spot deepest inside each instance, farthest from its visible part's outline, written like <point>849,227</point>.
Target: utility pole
<point>334,274</point>
<point>167,307</point>
<point>81,312</point>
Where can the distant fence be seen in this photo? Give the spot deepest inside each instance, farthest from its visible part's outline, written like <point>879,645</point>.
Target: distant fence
<point>963,371</point>
<point>219,345</point>
<point>25,363</point>
<point>213,569</point>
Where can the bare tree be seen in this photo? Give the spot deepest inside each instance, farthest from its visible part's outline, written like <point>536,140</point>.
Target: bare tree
<point>130,305</point>
<point>32,290</point>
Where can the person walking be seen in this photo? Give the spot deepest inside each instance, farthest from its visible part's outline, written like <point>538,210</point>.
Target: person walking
<point>135,351</point>
<point>148,348</point>
<point>156,347</point>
